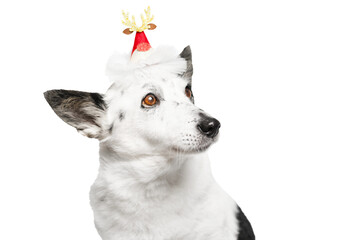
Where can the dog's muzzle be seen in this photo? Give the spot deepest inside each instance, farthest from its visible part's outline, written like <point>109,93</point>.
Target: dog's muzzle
<point>208,126</point>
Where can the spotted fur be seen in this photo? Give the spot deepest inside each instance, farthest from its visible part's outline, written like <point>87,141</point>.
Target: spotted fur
<point>154,180</point>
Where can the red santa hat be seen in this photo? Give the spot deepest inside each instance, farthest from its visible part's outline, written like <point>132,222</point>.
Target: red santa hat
<point>142,47</point>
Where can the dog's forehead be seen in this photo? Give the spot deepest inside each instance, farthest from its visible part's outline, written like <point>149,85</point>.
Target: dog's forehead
<point>170,86</point>
<point>171,83</point>
<point>167,84</point>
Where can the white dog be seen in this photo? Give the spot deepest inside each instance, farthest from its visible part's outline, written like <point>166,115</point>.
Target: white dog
<point>154,179</point>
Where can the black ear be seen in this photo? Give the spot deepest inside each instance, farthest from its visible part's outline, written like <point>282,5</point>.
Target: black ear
<point>82,110</point>
<point>186,54</point>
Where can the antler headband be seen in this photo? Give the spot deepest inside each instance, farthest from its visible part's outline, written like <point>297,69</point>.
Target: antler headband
<point>142,46</point>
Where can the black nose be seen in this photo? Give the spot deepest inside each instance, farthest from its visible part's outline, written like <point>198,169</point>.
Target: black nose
<point>209,126</point>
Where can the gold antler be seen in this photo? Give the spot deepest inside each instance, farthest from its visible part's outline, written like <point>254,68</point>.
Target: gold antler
<point>146,21</point>
<point>132,24</point>
<point>127,22</point>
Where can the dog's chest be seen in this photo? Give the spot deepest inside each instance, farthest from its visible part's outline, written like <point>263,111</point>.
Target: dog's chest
<point>177,216</point>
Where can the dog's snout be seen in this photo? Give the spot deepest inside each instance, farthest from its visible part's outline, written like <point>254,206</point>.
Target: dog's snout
<point>209,126</point>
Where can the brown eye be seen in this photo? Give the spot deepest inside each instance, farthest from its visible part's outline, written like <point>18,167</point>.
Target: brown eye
<point>149,100</point>
<point>188,92</point>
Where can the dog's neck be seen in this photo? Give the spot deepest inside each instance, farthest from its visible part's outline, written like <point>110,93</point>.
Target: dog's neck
<point>154,176</point>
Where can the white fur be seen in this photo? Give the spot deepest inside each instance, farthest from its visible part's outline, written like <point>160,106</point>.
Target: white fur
<point>154,179</point>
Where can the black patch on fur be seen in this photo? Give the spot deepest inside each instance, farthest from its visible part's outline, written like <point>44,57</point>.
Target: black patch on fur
<point>246,231</point>
<point>121,116</point>
<point>186,54</point>
<point>111,128</point>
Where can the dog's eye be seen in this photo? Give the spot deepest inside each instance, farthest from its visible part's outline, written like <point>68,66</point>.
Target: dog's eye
<point>149,100</point>
<point>188,92</point>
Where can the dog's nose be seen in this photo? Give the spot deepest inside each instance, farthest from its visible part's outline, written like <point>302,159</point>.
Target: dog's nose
<point>209,126</point>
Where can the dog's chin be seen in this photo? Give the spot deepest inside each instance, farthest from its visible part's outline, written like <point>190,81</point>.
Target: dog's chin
<point>205,144</point>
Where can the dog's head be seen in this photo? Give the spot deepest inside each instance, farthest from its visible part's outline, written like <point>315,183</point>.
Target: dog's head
<point>150,110</point>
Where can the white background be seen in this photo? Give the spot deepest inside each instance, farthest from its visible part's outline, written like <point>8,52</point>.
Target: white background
<point>281,76</point>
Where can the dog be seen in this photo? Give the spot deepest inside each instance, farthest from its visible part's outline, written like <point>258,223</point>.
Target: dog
<point>154,180</point>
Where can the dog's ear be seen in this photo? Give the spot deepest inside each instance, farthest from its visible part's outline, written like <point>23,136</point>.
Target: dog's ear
<point>186,54</point>
<point>82,110</point>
